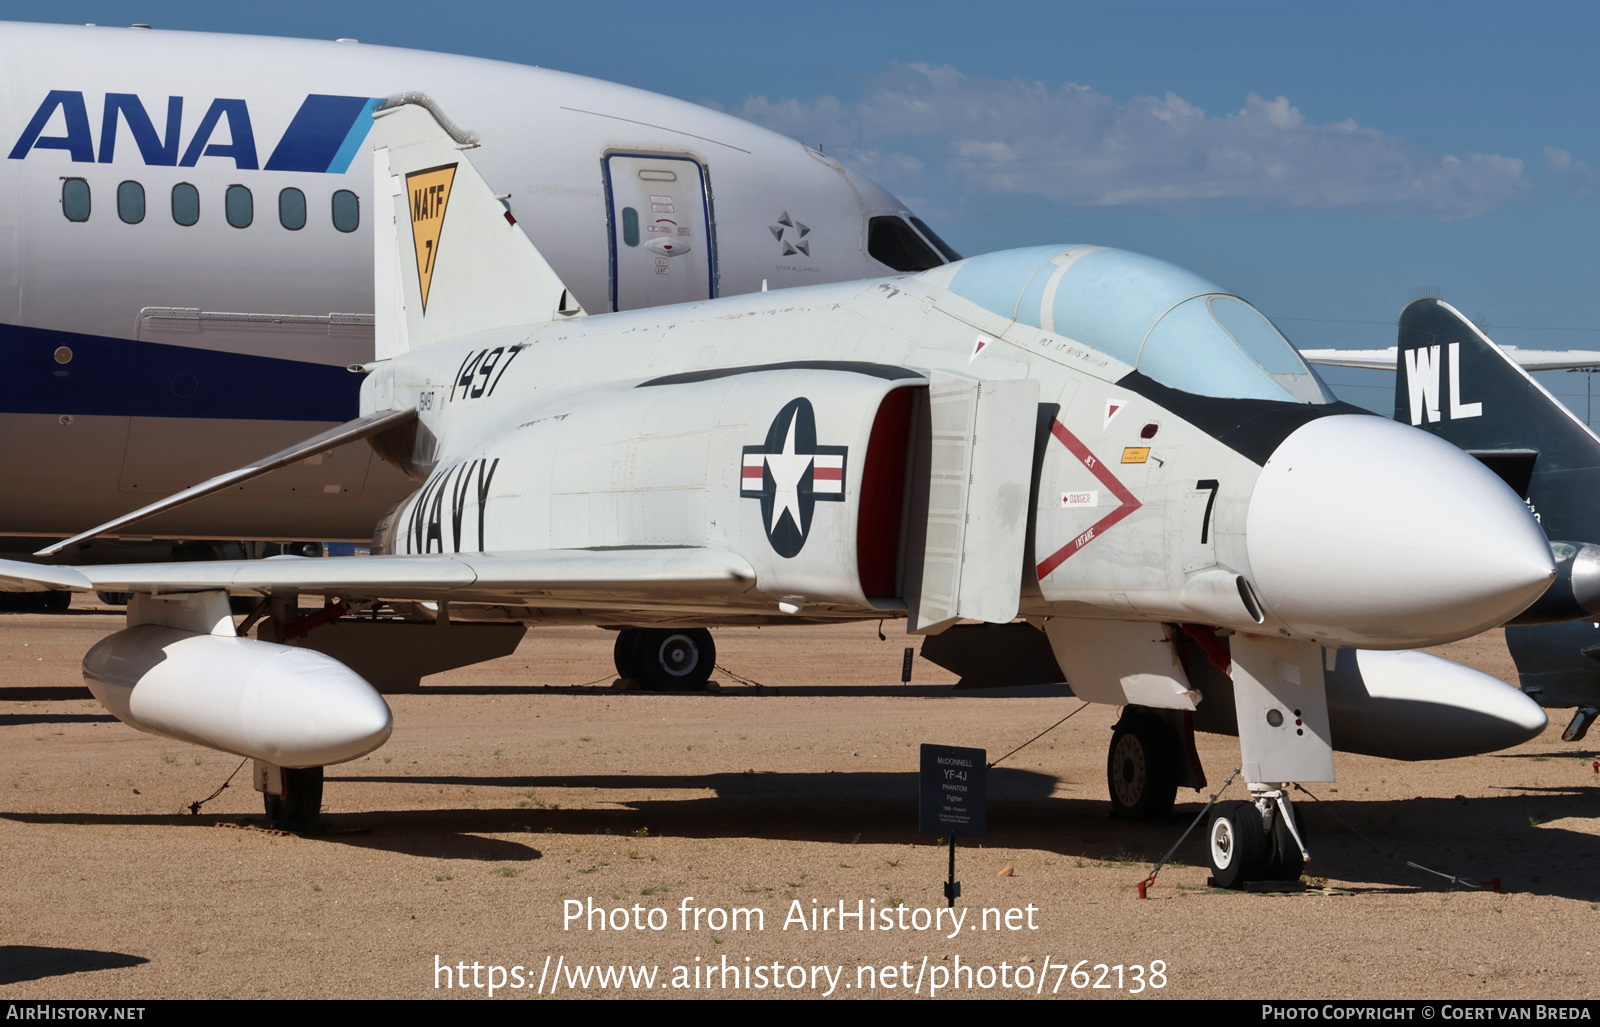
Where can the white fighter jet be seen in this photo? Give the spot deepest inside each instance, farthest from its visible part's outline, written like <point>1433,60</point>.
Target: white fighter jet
<point>188,253</point>
<point>1109,447</point>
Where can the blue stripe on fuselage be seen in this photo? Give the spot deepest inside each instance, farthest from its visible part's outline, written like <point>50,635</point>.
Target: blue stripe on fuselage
<point>320,132</point>
<point>122,378</point>
<point>352,142</point>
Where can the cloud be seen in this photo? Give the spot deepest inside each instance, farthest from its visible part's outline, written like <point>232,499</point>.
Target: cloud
<point>1574,174</point>
<point>1078,147</point>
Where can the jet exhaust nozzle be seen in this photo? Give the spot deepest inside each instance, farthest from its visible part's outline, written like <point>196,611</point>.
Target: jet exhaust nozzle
<point>1367,533</point>
<point>287,706</point>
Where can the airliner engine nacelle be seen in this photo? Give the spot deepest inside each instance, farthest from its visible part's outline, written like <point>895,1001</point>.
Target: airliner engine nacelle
<point>170,675</point>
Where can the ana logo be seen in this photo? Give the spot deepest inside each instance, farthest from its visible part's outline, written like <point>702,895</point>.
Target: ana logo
<point>790,473</point>
<point>429,190</point>
<point>1422,385</point>
<point>324,136</point>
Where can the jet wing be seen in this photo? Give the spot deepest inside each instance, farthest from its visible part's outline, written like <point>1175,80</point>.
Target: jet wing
<point>651,574</point>
<point>350,431</point>
<point>1384,359</point>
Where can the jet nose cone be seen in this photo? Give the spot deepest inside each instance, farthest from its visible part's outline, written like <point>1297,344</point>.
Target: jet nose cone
<point>1365,532</point>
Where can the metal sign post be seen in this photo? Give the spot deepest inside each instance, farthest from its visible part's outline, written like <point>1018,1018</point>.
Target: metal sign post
<point>953,799</point>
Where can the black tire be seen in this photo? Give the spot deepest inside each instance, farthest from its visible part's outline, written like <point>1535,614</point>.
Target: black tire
<point>1236,844</point>
<point>301,802</point>
<point>673,659</point>
<point>622,652</point>
<point>1142,766</point>
<point>114,598</point>
<point>57,602</point>
<point>1284,862</point>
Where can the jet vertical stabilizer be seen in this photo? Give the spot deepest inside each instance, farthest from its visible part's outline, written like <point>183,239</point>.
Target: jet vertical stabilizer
<point>491,275</point>
<point>1453,381</point>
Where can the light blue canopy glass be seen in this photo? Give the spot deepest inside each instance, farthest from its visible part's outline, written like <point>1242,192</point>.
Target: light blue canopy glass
<point>1172,325</point>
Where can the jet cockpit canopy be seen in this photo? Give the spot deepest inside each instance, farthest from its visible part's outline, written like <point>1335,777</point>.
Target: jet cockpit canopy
<point>1172,325</point>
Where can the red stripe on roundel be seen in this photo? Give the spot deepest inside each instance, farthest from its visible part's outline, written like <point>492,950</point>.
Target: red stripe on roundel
<point>827,473</point>
<point>883,495</point>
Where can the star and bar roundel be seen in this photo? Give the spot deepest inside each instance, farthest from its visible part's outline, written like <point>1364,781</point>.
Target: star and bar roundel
<point>790,474</point>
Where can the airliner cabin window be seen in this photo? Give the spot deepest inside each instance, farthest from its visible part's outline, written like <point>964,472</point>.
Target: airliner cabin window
<point>130,202</point>
<point>346,211</point>
<point>292,209</point>
<point>239,206</point>
<point>75,199</point>
<point>185,204</point>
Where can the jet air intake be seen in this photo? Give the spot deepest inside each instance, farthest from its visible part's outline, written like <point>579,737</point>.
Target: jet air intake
<point>1363,532</point>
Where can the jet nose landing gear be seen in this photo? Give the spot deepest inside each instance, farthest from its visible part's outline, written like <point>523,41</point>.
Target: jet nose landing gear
<point>1258,841</point>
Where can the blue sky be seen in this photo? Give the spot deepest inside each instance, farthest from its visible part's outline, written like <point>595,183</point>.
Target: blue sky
<point>1326,161</point>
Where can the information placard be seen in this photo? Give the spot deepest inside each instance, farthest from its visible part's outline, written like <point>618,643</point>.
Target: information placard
<point>954,791</point>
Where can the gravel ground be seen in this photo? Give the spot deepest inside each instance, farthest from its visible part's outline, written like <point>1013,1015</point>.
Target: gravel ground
<point>506,794</point>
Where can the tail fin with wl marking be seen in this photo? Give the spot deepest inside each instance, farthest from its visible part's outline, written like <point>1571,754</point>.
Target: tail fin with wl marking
<point>1453,381</point>
<point>450,259</point>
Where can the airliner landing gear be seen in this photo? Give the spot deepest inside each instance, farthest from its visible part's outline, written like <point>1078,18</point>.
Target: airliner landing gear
<point>301,799</point>
<point>1142,766</point>
<point>1261,840</point>
<point>666,659</point>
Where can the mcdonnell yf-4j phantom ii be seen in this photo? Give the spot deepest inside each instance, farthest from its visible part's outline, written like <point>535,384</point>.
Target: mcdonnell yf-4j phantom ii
<point>1113,449</point>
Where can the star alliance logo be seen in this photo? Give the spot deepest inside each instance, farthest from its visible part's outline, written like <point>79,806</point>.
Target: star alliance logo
<point>790,473</point>
<point>788,224</point>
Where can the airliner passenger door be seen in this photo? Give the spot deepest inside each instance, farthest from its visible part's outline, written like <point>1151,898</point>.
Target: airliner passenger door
<point>662,249</point>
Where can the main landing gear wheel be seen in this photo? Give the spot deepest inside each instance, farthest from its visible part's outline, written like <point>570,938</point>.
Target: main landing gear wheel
<point>297,808</point>
<point>663,659</point>
<point>1236,843</point>
<point>1141,769</point>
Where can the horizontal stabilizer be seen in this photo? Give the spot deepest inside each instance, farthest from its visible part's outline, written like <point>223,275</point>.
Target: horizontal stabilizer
<point>449,256</point>
<point>333,438</point>
<point>645,573</point>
